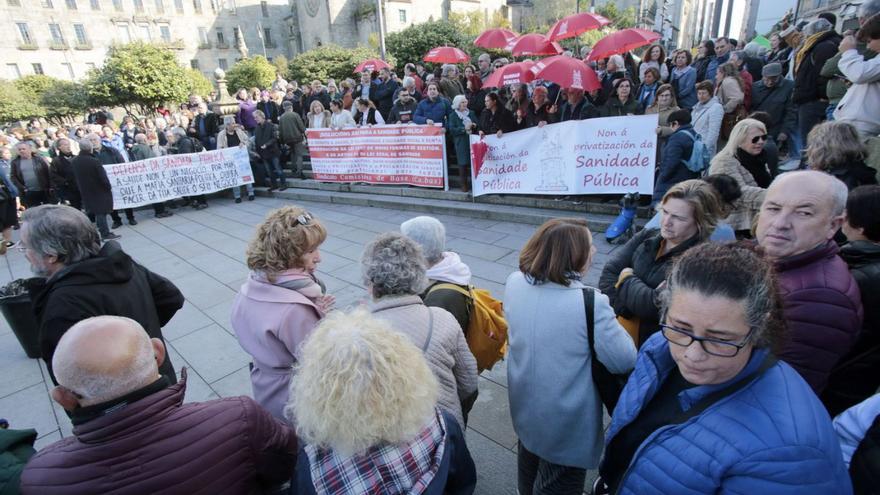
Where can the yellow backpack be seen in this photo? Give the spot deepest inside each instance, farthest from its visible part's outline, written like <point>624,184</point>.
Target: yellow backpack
<point>487,328</point>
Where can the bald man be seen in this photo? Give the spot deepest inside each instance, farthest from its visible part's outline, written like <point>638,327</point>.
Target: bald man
<point>800,215</point>
<point>132,433</point>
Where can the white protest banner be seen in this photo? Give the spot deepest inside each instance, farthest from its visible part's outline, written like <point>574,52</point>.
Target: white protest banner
<point>167,177</point>
<point>388,154</point>
<point>611,155</point>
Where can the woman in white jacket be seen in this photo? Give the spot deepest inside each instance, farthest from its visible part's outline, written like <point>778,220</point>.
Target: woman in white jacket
<point>859,105</point>
<point>707,115</point>
<point>340,117</point>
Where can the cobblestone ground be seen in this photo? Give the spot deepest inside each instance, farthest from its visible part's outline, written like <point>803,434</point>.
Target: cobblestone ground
<point>202,252</point>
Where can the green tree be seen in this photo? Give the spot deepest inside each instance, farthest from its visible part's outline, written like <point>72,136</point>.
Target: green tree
<point>329,61</point>
<point>64,99</point>
<point>138,77</point>
<point>411,44</point>
<point>251,72</point>
<point>282,65</point>
<point>197,83</point>
<point>16,106</point>
<point>619,19</point>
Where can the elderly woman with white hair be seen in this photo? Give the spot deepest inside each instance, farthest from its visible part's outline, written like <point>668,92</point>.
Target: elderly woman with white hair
<point>381,430</point>
<point>462,122</point>
<point>394,273</point>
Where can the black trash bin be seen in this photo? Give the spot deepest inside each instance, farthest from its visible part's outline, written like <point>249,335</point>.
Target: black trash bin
<point>15,304</point>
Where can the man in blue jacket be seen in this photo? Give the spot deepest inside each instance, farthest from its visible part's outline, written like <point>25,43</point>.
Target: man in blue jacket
<point>678,149</point>
<point>722,55</point>
<point>434,108</point>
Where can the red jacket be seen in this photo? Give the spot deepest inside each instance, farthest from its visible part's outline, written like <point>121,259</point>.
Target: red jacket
<point>157,444</point>
<point>823,312</point>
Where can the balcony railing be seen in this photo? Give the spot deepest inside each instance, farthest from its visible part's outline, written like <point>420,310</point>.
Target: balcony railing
<point>204,45</point>
<point>87,45</point>
<point>28,45</point>
<point>58,45</point>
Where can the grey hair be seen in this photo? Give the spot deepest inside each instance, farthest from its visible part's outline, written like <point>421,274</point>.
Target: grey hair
<point>739,54</point>
<point>286,104</point>
<point>755,50</point>
<point>618,62</point>
<point>447,70</point>
<point>484,56</point>
<point>58,142</point>
<point>393,265</point>
<point>140,138</point>
<point>95,387</point>
<point>817,26</point>
<point>260,113</point>
<point>408,82</point>
<point>85,145</point>
<point>869,8</point>
<point>736,272</point>
<point>178,132</point>
<point>429,233</point>
<point>61,231</point>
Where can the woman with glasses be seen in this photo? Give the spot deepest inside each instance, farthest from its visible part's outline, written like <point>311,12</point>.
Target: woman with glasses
<point>689,212</point>
<point>281,301</point>
<point>708,409</point>
<point>743,158</point>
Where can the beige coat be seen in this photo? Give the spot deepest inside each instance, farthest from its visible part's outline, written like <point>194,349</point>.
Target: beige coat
<point>747,207</point>
<point>730,94</point>
<point>447,352</point>
<point>315,122</point>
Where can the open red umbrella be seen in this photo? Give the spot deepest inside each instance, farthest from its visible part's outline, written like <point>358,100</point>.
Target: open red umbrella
<point>517,73</point>
<point>567,72</point>
<point>575,24</point>
<point>622,41</point>
<point>533,44</point>
<point>495,38</point>
<point>446,55</point>
<point>371,65</point>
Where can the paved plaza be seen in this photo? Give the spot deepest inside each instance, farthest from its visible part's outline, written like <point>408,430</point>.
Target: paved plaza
<point>203,253</point>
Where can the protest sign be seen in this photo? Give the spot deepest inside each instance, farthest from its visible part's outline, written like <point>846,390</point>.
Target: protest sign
<point>611,155</point>
<point>390,154</point>
<point>167,177</point>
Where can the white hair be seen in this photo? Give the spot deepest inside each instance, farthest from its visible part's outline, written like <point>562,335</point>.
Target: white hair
<point>409,82</point>
<point>95,387</point>
<point>457,100</point>
<point>428,232</point>
<point>618,62</point>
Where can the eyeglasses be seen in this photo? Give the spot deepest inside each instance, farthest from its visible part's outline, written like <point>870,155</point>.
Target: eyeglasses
<point>712,346</point>
<point>762,137</point>
<point>304,219</point>
<point>21,248</point>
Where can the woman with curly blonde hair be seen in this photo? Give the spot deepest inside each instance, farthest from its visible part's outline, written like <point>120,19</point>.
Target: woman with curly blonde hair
<point>281,301</point>
<point>364,401</point>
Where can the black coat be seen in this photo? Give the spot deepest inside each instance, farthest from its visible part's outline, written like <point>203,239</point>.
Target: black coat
<point>857,376</point>
<point>501,120</point>
<point>864,467</point>
<point>636,295</point>
<point>809,85</point>
<point>582,111</point>
<point>371,117</point>
<point>108,156</point>
<point>453,301</point>
<point>776,101</point>
<point>382,93</point>
<point>212,126</point>
<point>61,174</point>
<point>110,283</point>
<point>270,109</point>
<point>42,168</point>
<point>266,134</point>
<point>855,174</point>
<point>93,184</point>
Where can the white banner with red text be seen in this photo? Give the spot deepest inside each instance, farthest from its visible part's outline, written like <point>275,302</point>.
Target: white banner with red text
<point>613,155</point>
<point>167,177</point>
<point>408,154</point>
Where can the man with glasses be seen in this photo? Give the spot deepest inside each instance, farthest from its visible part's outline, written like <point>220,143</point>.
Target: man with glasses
<point>801,213</point>
<point>772,94</point>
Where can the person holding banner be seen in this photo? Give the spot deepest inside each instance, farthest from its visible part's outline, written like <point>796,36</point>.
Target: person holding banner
<point>432,109</point>
<point>367,113</point>
<point>575,107</point>
<point>621,102</point>
<point>496,119</point>
<point>266,145</point>
<point>233,135</point>
<point>538,112</point>
<point>462,123</point>
<point>109,156</point>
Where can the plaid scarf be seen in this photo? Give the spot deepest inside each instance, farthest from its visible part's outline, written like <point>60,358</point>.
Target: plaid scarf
<point>391,469</point>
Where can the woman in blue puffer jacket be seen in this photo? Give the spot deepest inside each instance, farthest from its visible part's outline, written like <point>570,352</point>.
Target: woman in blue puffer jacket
<point>708,409</point>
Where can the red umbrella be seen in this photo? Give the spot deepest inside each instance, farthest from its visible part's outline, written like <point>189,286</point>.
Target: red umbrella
<point>371,65</point>
<point>446,55</point>
<point>622,41</point>
<point>511,74</point>
<point>495,38</point>
<point>573,25</point>
<point>533,44</point>
<point>567,72</point>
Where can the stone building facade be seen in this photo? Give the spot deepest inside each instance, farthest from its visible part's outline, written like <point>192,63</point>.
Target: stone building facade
<point>66,38</point>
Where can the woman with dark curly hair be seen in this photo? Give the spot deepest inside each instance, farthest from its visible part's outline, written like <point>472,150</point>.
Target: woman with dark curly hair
<point>281,301</point>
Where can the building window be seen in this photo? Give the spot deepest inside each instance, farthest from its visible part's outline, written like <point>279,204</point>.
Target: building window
<point>264,6</point>
<point>145,32</point>
<point>267,36</point>
<point>12,71</point>
<point>80,31</point>
<point>139,6</point>
<point>194,64</point>
<point>96,4</point>
<point>38,69</point>
<point>222,64</point>
<point>401,15</point>
<point>71,4</point>
<point>165,32</point>
<point>197,6</point>
<point>13,3</point>
<point>178,6</point>
<point>46,4</point>
<point>160,7</point>
<point>69,68</point>
<point>236,36</point>
<point>24,32</point>
<point>55,32</point>
<point>221,40</point>
<point>123,32</point>
<point>117,4</point>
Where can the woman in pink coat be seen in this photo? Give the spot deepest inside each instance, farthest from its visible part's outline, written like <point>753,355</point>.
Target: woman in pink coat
<point>281,301</point>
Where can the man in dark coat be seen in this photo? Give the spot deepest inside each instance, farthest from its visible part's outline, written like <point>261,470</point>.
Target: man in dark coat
<point>84,279</point>
<point>772,94</point>
<point>182,145</point>
<point>810,87</point>
<point>205,125</point>
<point>801,213</point>
<point>29,173</point>
<point>62,176</point>
<point>383,92</point>
<point>292,133</point>
<point>266,145</point>
<point>319,93</point>
<point>403,109</point>
<point>678,150</point>
<point>577,107</point>
<point>109,156</point>
<point>133,434</point>
<point>94,188</point>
